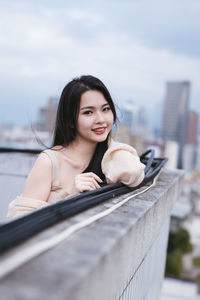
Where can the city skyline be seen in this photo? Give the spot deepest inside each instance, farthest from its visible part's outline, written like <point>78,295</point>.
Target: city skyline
<point>131,46</point>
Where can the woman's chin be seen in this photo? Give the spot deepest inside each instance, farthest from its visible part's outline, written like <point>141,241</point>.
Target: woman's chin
<point>100,138</point>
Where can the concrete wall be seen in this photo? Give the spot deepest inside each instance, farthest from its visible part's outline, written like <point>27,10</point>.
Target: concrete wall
<point>14,168</point>
<point>121,256</point>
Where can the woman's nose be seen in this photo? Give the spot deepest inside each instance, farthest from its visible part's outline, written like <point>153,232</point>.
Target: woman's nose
<point>99,117</point>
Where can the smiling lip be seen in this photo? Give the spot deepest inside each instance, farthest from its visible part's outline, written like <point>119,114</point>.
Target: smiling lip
<point>99,130</point>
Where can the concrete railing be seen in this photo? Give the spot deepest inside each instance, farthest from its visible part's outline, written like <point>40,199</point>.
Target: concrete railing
<point>14,168</point>
<point>120,256</point>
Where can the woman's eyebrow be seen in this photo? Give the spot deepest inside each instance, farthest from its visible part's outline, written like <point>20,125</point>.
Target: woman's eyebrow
<point>86,107</point>
<point>92,107</point>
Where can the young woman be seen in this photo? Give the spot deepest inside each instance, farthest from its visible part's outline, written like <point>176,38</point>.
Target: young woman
<point>83,155</point>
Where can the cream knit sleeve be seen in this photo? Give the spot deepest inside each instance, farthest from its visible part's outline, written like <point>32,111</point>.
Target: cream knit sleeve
<point>21,205</point>
<point>121,163</point>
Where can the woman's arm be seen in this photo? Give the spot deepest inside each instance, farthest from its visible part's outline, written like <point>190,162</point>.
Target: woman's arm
<point>121,163</point>
<point>38,183</point>
<point>36,190</point>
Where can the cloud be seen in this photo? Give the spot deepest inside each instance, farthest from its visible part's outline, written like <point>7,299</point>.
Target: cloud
<point>125,44</point>
<point>169,24</point>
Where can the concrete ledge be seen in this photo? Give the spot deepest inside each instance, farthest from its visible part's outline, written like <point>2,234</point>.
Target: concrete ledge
<point>98,261</point>
<point>14,168</point>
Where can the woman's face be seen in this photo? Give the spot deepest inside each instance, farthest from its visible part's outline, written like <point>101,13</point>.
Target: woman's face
<point>95,119</point>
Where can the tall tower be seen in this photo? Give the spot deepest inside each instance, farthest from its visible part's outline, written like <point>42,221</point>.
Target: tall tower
<point>47,115</point>
<point>175,115</point>
<point>191,147</point>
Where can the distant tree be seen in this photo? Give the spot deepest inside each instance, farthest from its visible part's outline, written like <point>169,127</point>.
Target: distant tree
<point>196,261</point>
<point>178,244</point>
<point>172,245</point>
<point>198,278</point>
<point>198,283</point>
<point>174,264</point>
<point>180,240</point>
<point>183,240</point>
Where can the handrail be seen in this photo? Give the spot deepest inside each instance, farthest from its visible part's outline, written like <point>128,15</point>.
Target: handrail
<point>19,150</point>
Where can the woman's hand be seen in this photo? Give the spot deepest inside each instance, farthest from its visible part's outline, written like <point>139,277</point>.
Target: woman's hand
<point>86,182</point>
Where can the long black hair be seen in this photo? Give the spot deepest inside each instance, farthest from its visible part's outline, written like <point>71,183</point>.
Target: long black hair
<point>67,116</point>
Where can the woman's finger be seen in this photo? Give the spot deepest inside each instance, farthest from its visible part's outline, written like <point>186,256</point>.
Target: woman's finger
<point>86,187</point>
<point>89,180</point>
<point>92,182</point>
<point>89,183</point>
<point>93,175</point>
<point>95,183</point>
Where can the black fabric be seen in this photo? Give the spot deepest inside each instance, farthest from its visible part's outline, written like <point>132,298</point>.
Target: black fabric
<point>95,163</point>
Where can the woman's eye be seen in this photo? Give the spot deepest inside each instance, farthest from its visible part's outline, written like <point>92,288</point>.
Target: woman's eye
<point>87,112</point>
<point>106,108</point>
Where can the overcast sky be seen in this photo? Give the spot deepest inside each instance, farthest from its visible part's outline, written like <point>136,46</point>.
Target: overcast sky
<point>133,46</point>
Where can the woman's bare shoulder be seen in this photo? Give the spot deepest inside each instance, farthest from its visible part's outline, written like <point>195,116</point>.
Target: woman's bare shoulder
<point>43,160</point>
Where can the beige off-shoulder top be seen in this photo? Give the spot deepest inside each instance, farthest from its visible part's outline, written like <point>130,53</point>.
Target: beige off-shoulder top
<point>120,163</point>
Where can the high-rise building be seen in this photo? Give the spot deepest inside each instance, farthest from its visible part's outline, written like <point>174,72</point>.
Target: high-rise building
<point>176,115</point>
<point>47,115</point>
<point>130,115</point>
<point>192,129</point>
<point>191,147</point>
<point>135,118</point>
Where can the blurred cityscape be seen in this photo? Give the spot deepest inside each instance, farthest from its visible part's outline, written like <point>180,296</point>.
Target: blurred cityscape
<point>176,137</point>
